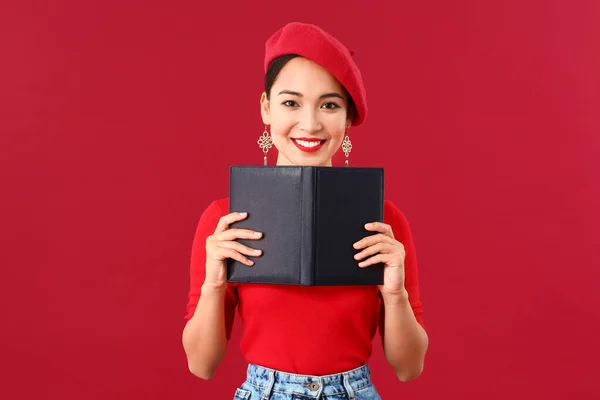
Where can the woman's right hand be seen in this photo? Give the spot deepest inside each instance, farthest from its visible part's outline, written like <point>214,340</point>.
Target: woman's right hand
<point>222,245</point>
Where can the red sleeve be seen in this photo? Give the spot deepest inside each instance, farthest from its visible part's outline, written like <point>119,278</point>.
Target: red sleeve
<point>206,227</point>
<point>397,220</point>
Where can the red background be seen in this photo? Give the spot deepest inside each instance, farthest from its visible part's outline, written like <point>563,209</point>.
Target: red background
<point>118,123</point>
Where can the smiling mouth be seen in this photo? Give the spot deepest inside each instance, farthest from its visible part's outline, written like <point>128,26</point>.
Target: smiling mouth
<point>309,146</point>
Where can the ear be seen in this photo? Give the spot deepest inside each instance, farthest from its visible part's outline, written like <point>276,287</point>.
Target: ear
<point>265,112</point>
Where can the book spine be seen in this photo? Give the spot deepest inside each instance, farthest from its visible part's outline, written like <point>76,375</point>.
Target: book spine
<point>307,273</point>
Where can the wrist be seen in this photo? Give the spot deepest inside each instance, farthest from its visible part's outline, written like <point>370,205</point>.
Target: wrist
<point>399,298</point>
<point>209,288</point>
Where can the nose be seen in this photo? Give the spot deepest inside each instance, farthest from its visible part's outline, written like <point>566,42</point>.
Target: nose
<point>310,121</point>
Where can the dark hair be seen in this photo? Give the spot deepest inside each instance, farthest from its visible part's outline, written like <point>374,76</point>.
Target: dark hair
<point>275,67</point>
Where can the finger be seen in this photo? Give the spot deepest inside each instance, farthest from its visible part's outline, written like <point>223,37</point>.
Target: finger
<point>383,248</point>
<point>237,233</point>
<point>371,240</point>
<point>240,248</point>
<point>228,219</point>
<point>380,227</point>
<point>224,253</point>
<point>379,258</point>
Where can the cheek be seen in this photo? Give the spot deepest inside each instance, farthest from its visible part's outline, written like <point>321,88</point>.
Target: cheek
<point>338,132</point>
<point>279,132</point>
<point>281,124</point>
<point>337,141</point>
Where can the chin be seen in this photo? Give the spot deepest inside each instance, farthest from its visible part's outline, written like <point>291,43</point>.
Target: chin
<point>302,160</point>
<point>319,158</point>
<point>312,163</point>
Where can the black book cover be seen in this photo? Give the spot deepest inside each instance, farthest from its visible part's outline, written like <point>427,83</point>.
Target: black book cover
<point>310,217</point>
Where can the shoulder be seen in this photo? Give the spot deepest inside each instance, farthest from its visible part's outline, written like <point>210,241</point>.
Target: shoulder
<point>394,217</point>
<point>217,208</point>
<point>391,213</point>
<point>210,216</point>
<point>221,205</point>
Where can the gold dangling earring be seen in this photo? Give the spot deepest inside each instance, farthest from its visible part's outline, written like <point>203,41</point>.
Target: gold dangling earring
<point>347,147</point>
<point>265,142</point>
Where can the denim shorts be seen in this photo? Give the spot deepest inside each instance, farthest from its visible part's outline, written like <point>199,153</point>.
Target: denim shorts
<point>269,384</point>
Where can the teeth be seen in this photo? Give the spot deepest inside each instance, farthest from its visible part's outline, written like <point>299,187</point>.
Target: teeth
<point>307,144</point>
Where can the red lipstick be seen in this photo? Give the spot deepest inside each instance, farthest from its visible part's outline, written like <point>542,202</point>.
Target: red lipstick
<point>309,145</point>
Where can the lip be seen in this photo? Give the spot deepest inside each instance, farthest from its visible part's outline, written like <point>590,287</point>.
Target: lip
<point>309,140</point>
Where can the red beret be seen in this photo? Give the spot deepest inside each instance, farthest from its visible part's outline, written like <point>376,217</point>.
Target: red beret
<point>314,43</point>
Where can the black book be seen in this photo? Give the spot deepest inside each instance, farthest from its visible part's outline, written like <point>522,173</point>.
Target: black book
<point>309,217</point>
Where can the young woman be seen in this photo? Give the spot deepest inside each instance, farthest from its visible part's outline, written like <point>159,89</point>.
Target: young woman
<point>306,341</point>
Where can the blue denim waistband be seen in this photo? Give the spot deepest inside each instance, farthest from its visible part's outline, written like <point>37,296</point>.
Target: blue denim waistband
<point>271,380</point>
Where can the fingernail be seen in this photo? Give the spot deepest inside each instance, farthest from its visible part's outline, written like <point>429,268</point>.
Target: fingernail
<point>256,251</point>
<point>257,234</point>
<point>356,244</point>
<point>243,214</point>
<point>368,226</point>
<point>356,256</point>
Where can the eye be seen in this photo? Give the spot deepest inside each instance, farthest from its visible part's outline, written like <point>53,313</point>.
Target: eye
<point>290,103</point>
<point>330,105</point>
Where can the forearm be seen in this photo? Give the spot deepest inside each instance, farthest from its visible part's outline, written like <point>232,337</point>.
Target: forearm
<point>405,341</point>
<point>204,336</point>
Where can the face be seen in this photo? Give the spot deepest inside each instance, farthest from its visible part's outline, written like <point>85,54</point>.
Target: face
<point>307,112</point>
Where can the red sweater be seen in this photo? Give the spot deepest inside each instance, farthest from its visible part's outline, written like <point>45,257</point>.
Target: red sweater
<point>300,329</point>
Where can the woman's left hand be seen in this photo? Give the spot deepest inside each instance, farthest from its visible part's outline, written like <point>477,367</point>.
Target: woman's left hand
<point>383,248</point>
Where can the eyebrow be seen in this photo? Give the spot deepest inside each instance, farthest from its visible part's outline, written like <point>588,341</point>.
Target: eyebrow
<point>323,96</point>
